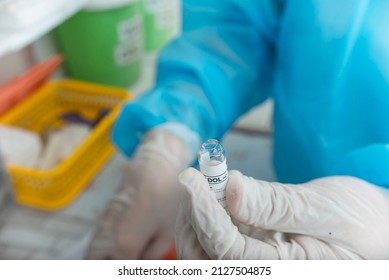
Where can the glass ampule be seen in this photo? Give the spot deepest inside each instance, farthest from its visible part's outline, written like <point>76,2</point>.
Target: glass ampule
<point>212,162</point>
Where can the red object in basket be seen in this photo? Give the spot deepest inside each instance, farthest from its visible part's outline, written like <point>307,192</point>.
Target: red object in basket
<point>20,87</point>
<point>171,255</point>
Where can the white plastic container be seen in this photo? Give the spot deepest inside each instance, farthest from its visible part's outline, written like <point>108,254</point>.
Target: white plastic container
<point>18,14</point>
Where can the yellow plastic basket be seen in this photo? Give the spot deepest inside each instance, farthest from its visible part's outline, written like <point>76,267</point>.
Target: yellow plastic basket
<point>56,188</point>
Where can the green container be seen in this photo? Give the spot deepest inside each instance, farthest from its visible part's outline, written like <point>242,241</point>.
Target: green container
<point>103,45</point>
<point>160,22</point>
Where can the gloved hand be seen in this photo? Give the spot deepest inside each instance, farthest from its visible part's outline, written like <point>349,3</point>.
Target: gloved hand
<point>329,218</point>
<point>139,222</point>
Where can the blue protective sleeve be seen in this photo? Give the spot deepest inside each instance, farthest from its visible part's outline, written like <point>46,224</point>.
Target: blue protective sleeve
<point>219,68</point>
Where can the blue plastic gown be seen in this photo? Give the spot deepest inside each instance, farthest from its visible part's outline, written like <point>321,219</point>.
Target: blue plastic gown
<point>325,63</point>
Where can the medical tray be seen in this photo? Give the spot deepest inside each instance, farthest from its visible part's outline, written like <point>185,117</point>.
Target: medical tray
<point>56,188</point>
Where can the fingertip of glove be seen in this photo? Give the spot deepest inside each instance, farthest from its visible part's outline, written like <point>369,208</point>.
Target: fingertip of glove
<point>189,178</point>
<point>233,189</point>
<point>234,181</point>
<point>187,175</point>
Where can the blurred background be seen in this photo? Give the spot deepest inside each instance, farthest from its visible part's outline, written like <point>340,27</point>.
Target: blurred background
<point>65,68</point>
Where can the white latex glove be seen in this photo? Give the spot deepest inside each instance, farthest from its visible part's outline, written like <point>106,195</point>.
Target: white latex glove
<point>139,222</point>
<point>328,218</point>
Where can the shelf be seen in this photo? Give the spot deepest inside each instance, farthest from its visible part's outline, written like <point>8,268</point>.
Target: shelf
<point>16,37</point>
